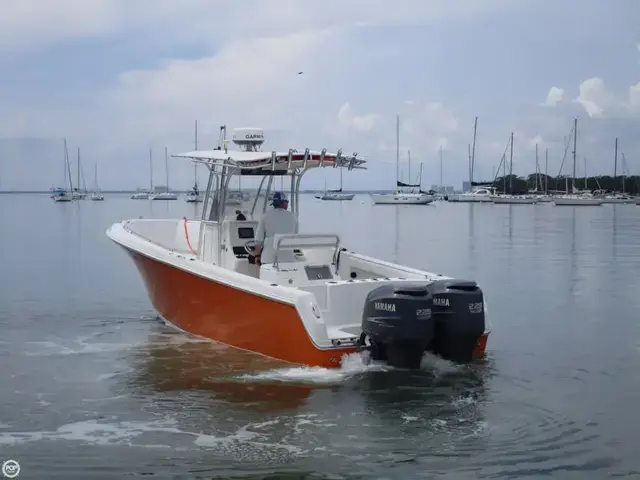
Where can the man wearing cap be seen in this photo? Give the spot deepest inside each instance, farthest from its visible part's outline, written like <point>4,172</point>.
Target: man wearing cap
<point>274,222</point>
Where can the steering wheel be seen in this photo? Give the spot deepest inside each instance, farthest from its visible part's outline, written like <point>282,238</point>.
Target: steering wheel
<point>250,247</point>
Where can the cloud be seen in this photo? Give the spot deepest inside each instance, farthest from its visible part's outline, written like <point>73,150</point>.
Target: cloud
<point>34,24</point>
<point>555,96</point>
<point>597,101</point>
<point>361,123</point>
<point>164,64</point>
<point>253,80</point>
<point>594,97</point>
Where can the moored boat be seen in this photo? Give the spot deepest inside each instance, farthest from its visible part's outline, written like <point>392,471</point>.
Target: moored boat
<point>316,301</point>
<point>514,199</point>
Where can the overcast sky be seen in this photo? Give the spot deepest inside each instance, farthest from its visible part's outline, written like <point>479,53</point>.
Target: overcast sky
<point>117,77</point>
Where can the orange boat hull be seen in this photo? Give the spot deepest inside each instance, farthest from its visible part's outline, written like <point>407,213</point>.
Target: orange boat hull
<point>237,318</point>
<point>231,316</point>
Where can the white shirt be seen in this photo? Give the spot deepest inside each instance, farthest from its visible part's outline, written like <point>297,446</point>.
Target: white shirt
<point>274,222</point>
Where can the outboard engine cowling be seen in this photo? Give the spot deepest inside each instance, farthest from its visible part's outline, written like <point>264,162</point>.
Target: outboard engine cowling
<point>398,323</point>
<point>458,316</point>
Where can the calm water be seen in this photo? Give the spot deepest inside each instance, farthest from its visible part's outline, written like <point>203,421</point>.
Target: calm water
<point>93,386</point>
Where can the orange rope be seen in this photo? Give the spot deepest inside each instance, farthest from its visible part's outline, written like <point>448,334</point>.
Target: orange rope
<point>186,236</point>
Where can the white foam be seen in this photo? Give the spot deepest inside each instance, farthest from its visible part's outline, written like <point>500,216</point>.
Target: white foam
<point>97,433</point>
<point>351,365</point>
<point>438,365</point>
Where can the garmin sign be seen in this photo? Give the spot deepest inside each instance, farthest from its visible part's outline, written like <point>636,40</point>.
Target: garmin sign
<point>248,136</point>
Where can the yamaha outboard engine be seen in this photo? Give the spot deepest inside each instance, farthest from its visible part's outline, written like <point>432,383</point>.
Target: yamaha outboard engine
<point>398,324</point>
<point>402,321</point>
<point>458,315</point>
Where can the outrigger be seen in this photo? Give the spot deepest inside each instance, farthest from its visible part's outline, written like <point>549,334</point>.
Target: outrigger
<point>317,301</point>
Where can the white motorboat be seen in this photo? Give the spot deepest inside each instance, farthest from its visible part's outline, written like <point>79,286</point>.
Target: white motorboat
<point>577,200</point>
<point>165,196</point>
<point>401,198</point>
<point>478,195</point>
<point>514,199</point>
<point>617,198</point>
<point>317,301</point>
<point>140,196</point>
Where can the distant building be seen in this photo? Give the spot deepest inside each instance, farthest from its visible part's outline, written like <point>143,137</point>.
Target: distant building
<point>160,189</point>
<point>466,186</point>
<point>442,189</point>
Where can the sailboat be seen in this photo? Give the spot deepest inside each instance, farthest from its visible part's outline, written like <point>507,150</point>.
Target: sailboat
<point>336,194</point>
<point>400,196</point>
<point>476,193</point>
<point>576,198</point>
<point>510,198</point>
<point>618,197</point>
<point>64,194</point>
<point>194,195</point>
<point>96,196</point>
<point>168,195</point>
<point>142,195</point>
<point>542,194</point>
<point>80,194</point>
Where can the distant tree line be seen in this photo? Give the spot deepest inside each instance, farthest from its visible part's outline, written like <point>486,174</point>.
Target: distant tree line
<point>513,184</point>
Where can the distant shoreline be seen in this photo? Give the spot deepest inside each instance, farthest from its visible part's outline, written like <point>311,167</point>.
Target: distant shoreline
<point>179,192</point>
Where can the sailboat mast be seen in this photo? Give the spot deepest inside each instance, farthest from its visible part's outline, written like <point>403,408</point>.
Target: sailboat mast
<point>511,164</point>
<point>67,165</point>
<point>473,152</point>
<point>624,172</point>
<point>397,149</point>
<point>441,189</point>
<point>150,170</point>
<point>546,169</point>
<point>195,165</point>
<point>409,165</point>
<point>166,166</point>
<point>78,172</point>
<point>585,173</point>
<point>615,166</point>
<point>575,145</point>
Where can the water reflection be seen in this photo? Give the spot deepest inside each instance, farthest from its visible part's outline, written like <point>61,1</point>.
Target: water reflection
<point>396,233</point>
<point>614,232</point>
<point>573,254</point>
<point>510,224</point>
<point>213,369</point>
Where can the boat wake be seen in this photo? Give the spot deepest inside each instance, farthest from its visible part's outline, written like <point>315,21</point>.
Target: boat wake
<point>353,365</point>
